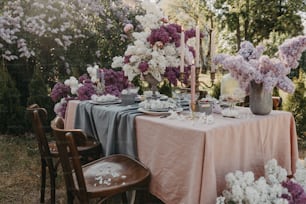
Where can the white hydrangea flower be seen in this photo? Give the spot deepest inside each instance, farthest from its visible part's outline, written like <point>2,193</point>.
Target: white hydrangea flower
<point>117,62</point>
<point>73,83</point>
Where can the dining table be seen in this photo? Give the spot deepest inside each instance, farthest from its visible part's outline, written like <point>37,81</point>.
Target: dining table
<point>189,156</point>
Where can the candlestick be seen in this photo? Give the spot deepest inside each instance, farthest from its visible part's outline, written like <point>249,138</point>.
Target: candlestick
<point>197,51</point>
<point>182,51</point>
<point>193,83</point>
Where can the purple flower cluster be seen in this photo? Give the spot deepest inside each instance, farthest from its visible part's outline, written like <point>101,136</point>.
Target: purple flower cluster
<point>166,34</point>
<point>115,81</point>
<point>59,91</point>
<point>250,65</point>
<point>291,50</point>
<point>86,91</point>
<point>296,192</point>
<point>173,73</point>
<point>143,66</point>
<point>83,78</point>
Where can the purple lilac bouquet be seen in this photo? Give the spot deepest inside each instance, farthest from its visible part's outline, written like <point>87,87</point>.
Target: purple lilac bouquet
<point>250,65</point>
<point>86,86</point>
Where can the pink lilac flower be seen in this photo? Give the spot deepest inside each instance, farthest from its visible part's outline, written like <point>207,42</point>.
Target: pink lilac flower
<point>128,28</point>
<point>250,65</point>
<point>291,50</point>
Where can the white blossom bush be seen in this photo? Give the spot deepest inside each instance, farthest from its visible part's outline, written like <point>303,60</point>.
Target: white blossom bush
<point>64,30</point>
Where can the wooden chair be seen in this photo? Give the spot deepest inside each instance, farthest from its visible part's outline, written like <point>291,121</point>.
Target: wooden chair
<point>90,149</point>
<point>48,149</point>
<point>100,179</point>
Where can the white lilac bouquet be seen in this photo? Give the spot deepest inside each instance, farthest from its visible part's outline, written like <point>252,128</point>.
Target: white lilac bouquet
<point>156,50</point>
<point>250,65</point>
<point>86,86</point>
<point>275,187</point>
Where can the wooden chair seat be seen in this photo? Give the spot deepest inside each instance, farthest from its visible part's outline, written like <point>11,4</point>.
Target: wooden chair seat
<point>112,175</point>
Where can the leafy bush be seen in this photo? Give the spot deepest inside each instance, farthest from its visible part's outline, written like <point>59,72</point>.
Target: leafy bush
<point>296,104</point>
<point>11,112</point>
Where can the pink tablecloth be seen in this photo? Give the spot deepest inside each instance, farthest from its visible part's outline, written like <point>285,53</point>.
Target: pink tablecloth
<point>189,161</point>
<point>70,114</point>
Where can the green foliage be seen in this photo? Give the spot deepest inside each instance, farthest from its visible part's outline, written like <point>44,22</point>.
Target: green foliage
<point>11,112</point>
<point>296,104</point>
<point>165,88</point>
<point>216,90</point>
<point>38,94</point>
<point>254,20</point>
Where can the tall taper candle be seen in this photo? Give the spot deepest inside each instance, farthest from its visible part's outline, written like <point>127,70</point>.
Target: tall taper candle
<point>213,50</point>
<point>197,51</point>
<point>182,51</point>
<point>193,83</point>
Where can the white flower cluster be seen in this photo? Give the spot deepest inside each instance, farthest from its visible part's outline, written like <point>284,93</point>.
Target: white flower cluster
<point>300,173</point>
<point>92,71</point>
<point>243,188</point>
<point>59,23</point>
<point>73,83</point>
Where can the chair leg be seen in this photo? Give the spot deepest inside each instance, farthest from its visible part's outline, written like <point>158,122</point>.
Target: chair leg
<point>43,181</point>
<point>70,197</point>
<point>124,198</point>
<point>52,184</point>
<point>133,196</point>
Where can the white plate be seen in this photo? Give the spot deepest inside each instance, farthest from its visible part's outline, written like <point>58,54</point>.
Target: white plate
<point>157,113</point>
<point>105,102</point>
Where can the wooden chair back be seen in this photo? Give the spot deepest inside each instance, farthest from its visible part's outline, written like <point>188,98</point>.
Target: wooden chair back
<point>71,164</point>
<point>79,136</point>
<point>38,115</point>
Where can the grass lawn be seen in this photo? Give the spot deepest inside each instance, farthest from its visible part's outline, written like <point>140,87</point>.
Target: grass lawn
<point>20,174</point>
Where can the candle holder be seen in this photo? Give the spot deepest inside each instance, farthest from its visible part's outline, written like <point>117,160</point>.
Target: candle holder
<point>182,77</point>
<point>193,106</point>
<point>100,88</point>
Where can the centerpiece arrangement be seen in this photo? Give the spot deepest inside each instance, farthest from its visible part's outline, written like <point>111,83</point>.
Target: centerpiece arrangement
<point>96,81</point>
<point>258,74</point>
<point>156,51</point>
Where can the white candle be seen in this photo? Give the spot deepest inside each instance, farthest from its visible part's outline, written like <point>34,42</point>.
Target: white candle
<point>197,50</point>
<point>192,84</point>
<point>182,51</point>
